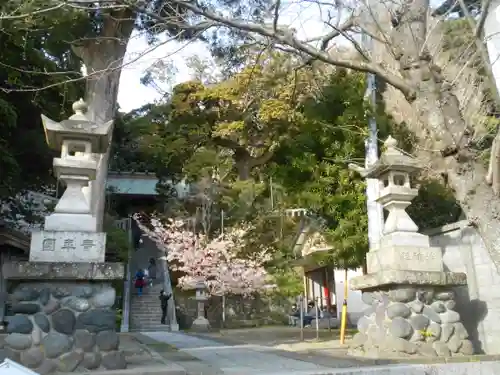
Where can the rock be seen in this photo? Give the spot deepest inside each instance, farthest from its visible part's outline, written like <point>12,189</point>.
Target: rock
<point>25,293</point>
<point>434,330</point>
<point>61,292</point>
<point>445,296</point>
<point>76,303</point>
<point>426,350</point>
<point>426,295</point>
<point>44,296</point>
<point>18,341</point>
<point>108,340</point>
<point>36,335</point>
<point>466,348</point>
<point>398,309</point>
<point>32,358</point>
<point>446,332</point>
<point>99,320</point>
<point>417,336</point>
<point>399,327</point>
<point>83,291</point>
<point>104,298</point>
<point>114,361</point>
<point>400,345</point>
<point>55,344</point>
<point>25,308</point>
<point>460,331</point>
<point>450,305</point>
<point>84,340</point>
<point>438,307</point>
<point>450,316</point>
<point>64,321</point>
<point>367,298</point>
<point>47,367</point>
<point>19,324</point>
<point>369,311</point>
<point>431,314</point>
<point>402,295</point>
<point>416,306</point>
<point>91,361</point>
<point>419,322</point>
<point>363,324</point>
<point>51,306</point>
<point>13,355</point>
<point>454,343</point>
<point>42,321</point>
<point>441,349</point>
<point>358,340</point>
<point>68,362</point>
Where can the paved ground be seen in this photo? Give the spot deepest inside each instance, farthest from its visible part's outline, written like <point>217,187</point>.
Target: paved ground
<point>224,358</point>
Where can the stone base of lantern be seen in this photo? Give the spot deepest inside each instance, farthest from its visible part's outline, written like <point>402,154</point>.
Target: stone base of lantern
<point>63,318</point>
<point>201,324</point>
<point>410,313</point>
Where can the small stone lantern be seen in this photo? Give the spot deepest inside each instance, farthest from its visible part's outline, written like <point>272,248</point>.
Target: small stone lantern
<point>201,323</point>
<point>77,138</point>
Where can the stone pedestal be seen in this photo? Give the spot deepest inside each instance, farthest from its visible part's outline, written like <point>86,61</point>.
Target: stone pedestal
<point>410,313</point>
<point>64,318</point>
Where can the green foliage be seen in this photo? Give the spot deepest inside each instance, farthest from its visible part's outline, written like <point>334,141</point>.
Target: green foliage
<point>31,60</point>
<point>117,241</point>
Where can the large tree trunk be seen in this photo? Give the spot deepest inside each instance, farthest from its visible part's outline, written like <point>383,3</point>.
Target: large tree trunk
<point>443,133</point>
<point>103,58</point>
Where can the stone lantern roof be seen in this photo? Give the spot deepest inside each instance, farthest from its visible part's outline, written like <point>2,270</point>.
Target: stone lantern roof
<point>392,159</point>
<point>78,127</point>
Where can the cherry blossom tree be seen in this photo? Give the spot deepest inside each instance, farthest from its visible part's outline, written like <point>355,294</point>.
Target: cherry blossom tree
<point>213,261</point>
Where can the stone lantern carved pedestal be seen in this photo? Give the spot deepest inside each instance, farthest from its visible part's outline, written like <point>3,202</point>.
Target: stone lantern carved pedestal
<point>64,319</point>
<point>409,297</point>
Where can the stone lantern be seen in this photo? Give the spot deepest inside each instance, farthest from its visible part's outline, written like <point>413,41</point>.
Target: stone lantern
<point>77,138</point>
<point>410,298</point>
<point>201,323</point>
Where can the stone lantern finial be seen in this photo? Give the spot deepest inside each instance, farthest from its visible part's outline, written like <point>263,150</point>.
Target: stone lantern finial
<point>390,143</point>
<point>80,107</point>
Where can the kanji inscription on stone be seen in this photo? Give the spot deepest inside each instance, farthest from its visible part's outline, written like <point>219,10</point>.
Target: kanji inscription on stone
<point>69,244</point>
<point>66,246</point>
<point>49,244</point>
<point>87,244</point>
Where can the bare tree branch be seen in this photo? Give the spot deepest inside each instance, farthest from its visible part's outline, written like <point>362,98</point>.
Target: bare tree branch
<point>287,37</point>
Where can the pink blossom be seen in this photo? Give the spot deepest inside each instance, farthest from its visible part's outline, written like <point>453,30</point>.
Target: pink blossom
<point>212,261</point>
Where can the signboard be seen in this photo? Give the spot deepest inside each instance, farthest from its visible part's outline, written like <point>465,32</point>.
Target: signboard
<point>9,367</point>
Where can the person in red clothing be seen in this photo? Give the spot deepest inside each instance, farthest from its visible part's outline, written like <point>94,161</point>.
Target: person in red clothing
<point>140,281</point>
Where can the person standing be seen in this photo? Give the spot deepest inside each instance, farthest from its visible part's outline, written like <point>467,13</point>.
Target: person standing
<point>152,271</point>
<point>164,305</point>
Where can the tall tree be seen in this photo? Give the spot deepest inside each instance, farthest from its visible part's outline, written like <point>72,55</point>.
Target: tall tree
<point>440,103</point>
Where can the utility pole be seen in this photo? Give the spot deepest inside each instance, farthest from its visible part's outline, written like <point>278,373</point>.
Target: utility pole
<point>374,209</point>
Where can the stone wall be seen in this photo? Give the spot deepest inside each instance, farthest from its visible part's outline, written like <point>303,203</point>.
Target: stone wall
<point>63,326</point>
<point>403,321</point>
<point>240,311</point>
<point>478,303</point>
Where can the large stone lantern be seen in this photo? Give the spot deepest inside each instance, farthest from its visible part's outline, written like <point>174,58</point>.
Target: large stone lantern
<point>411,306</point>
<point>77,138</point>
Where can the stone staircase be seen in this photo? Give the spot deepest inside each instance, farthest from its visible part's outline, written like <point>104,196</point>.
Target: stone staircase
<point>145,310</point>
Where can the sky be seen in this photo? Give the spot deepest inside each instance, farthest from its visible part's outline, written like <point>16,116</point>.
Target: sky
<point>132,94</point>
